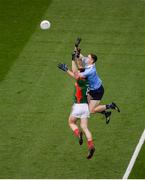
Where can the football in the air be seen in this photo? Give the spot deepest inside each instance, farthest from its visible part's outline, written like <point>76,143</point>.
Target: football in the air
<point>45,24</point>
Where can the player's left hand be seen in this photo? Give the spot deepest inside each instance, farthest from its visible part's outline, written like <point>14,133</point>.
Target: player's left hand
<point>63,67</point>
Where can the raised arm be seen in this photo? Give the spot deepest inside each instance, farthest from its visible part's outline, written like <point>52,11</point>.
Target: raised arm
<point>76,56</point>
<point>64,68</point>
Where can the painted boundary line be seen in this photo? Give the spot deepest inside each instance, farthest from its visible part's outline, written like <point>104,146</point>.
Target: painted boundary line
<point>134,156</point>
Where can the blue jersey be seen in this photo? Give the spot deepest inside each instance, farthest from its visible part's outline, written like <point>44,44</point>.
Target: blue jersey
<point>93,79</point>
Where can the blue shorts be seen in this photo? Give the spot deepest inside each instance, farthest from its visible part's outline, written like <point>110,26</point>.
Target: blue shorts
<point>96,94</point>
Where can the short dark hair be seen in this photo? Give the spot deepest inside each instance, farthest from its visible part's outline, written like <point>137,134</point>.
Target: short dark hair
<point>94,57</point>
<point>81,69</point>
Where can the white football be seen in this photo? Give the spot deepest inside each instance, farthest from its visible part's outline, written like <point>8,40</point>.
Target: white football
<point>45,24</point>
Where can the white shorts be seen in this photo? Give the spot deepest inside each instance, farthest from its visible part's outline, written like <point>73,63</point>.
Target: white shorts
<point>80,110</point>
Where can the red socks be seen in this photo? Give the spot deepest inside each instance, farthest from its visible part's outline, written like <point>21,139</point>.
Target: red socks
<point>90,144</point>
<point>76,132</point>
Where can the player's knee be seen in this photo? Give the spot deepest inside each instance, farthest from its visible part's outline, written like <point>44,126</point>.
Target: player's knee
<point>84,127</point>
<point>71,121</point>
<point>92,110</point>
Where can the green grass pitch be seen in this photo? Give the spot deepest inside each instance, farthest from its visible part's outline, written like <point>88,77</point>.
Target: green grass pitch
<point>36,98</point>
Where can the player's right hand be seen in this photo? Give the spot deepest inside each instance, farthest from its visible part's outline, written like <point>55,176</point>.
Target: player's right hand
<point>78,40</point>
<point>76,54</point>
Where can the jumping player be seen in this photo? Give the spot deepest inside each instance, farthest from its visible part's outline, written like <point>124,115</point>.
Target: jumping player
<point>80,110</point>
<point>96,89</point>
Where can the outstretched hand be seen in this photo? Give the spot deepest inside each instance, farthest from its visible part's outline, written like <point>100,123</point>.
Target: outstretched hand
<point>63,67</point>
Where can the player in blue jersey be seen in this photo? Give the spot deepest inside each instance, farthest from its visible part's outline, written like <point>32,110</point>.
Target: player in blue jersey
<point>96,89</point>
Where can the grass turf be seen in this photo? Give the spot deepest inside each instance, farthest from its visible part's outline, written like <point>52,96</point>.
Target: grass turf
<point>18,22</point>
<point>36,97</point>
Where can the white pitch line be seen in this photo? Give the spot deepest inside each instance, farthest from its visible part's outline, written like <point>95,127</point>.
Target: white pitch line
<point>134,156</point>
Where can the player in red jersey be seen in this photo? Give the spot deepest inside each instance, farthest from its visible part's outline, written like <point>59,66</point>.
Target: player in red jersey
<point>80,110</point>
